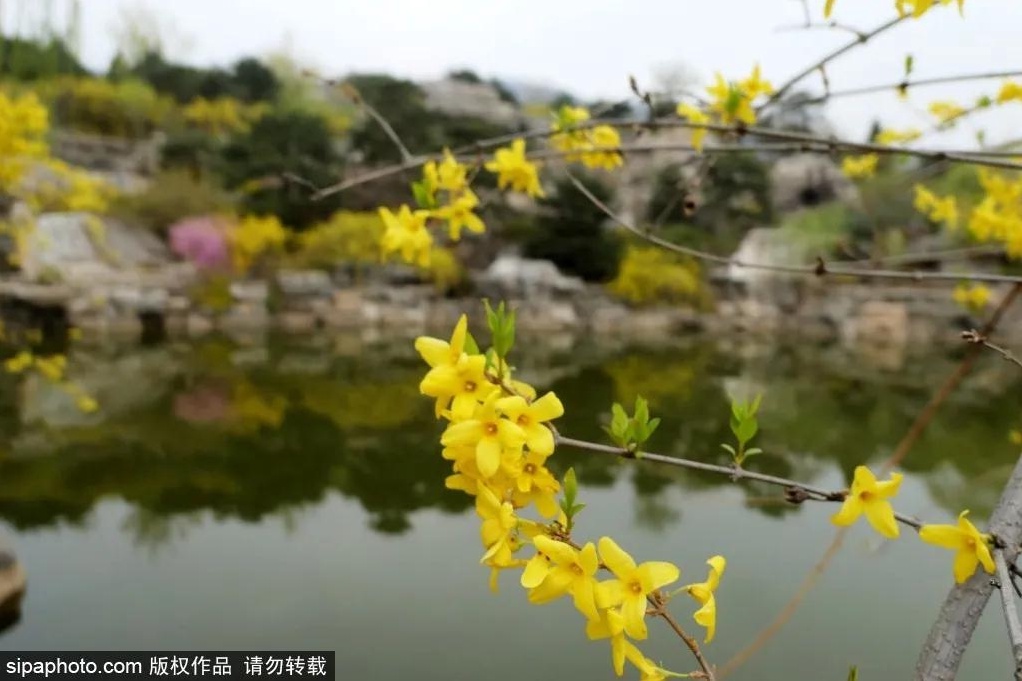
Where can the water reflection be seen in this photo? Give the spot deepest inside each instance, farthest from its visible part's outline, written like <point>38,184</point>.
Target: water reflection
<point>248,432</point>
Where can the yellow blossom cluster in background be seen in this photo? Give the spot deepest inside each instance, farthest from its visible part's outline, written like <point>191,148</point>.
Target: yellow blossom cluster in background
<point>860,166</point>
<point>498,439</point>
<point>974,298</point>
<point>23,128</point>
<point>253,237</point>
<point>594,146</point>
<point>52,368</point>
<point>223,115</point>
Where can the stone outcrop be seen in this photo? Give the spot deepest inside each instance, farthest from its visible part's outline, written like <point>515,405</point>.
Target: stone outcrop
<point>805,180</point>
<point>478,100</point>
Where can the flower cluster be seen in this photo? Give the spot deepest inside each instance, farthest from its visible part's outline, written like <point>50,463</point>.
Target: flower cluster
<point>731,103</point>
<point>996,218</point>
<point>52,368</point>
<point>595,146</point>
<point>871,497</point>
<point>974,298</point>
<point>498,438</point>
<point>861,166</point>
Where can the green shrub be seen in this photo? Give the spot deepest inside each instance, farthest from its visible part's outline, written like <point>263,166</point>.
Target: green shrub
<point>128,108</point>
<point>173,195</point>
<point>572,235</point>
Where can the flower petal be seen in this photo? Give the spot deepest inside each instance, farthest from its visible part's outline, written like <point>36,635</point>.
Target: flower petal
<point>888,488</point>
<point>655,574</point>
<point>488,456</point>
<point>944,536</point>
<point>547,408</point>
<point>633,609</point>
<point>849,512</point>
<point>880,515</point>
<point>535,571</point>
<point>433,350</point>
<point>616,559</point>
<point>965,565</point>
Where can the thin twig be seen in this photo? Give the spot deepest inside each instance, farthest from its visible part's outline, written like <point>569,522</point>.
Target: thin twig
<point>820,269</point>
<point>795,491</point>
<point>692,644</point>
<point>351,92</point>
<point>977,338</point>
<point>905,84</point>
<point>829,25</point>
<point>1010,611</point>
<point>812,68</point>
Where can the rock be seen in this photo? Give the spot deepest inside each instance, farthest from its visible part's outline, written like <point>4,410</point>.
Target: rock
<point>546,316</point>
<point>137,299</point>
<point>197,324</point>
<point>295,321</point>
<point>244,317</point>
<point>12,588</point>
<point>478,100</point>
<point>805,180</point>
<point>878,322</point>
<point>250,291</point>
<point>513,277</point>
<point>304,283</point>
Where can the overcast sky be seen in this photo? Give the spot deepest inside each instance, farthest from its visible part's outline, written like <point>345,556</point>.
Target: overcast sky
<point>590,48</point>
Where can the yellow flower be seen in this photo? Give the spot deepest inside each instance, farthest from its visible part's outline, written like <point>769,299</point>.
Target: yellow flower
<point>870,497</point>
<point>828,7</point>
<point>534,483</point>
<point>18,363</point>
<point>449,175</point>
<point>695,116</point>
<point>754,85</point>
<point>438,353</point>
<point>946,112</point>
<point>605,139</point>
<point>703,593</point>
<point>86,404</point>
<point>570,572</point>
<point>459,215</point>
<point>1009,91</point>
<point>633,585</point>
<point>969,543</point>
<point>610,624</point>
<point>515,170</point>
<point>488,432</point>
<point>860,166</point>
<point>975,297</point>
<point>496,531</point>
<point>531,417</point>
<point>51,367</point>
<point>936,208</point>
<point>919,7</point>
<point>406,233</point>
<point>888,137</point>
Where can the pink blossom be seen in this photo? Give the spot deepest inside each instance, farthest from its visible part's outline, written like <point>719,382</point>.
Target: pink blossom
<point>202,241</point>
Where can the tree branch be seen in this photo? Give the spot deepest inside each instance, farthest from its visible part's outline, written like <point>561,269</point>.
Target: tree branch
<point>905,84</point>
<point>1010,611</point>
<point>977,338</point>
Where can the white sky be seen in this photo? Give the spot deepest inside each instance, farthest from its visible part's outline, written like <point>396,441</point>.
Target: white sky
<point>590,48</point>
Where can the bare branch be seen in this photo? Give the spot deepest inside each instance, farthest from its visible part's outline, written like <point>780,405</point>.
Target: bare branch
<point>795,492</point>
<point>1010,611</point>
<point>906,84</point>
<point>819,269</point>
<point>809,70</point>
<point>353,94</point>
<point>977,338</point>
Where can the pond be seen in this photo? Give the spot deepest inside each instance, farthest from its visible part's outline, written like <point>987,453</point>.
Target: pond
<point>290,495</point>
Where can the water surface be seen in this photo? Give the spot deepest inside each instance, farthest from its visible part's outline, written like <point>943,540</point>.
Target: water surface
<point>290,495</point>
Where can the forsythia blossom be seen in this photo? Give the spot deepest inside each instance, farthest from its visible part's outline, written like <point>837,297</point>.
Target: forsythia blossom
<point>514,170</point>
<point>870,496</point>
<point>938,209</point>
<point>968,542</point>
<point>703,593</point>
<point>860,166</point>
<point>594,147</point>
<point>974,298</point>
<point>406,234</point>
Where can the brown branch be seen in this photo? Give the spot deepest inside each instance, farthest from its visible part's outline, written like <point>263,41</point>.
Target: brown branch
<point>796,492</point>
<point>812,68</point>
<point>829,25</point>
<point>352,93</point>
<point>905,84</point>
<point>976,338</point>
<point>690,641</point>
<point>1010,611</point>
<point>819,269</point>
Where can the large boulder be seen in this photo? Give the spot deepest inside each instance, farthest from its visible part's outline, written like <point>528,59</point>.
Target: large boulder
<point>805,180</point>
<point>517,278</point>
<point>462,98</point>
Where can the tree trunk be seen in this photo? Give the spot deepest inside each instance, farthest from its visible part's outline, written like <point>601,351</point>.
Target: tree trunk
<point>951,633</point>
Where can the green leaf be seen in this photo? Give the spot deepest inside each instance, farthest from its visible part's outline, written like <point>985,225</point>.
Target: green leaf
<point>853,673</point>
<point>619,420</point>
<point>730,449</point>
<point>641,410</point>
<point>755,405</point>
<point>753,451</point>
<point>651,427</point>
<point>736,425</point>
<point>909,63</point>
<point>570,488</point>
<point>747,430</point>
<point>423,197</point>
<point>471,347</point>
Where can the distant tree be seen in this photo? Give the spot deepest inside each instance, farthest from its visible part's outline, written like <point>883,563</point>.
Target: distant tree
<point>562,99</point>
<point>29,60</point>
<point>505,93</point>
<point>572,234</point>
<point>278,144</point>
<point>668,200</point>
<point>254,81</point>
<point>465,76</point>
<point>736,195</point>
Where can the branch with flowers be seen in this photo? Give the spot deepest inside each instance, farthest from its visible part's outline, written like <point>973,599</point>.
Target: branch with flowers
<point>499,432</point>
